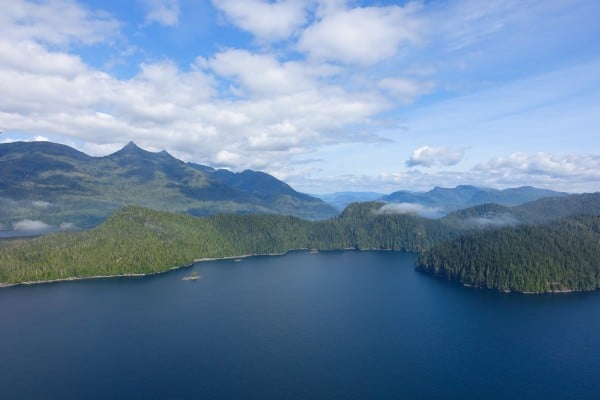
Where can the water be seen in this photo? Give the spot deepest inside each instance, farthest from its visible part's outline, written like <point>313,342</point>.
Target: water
<point>346,325</point>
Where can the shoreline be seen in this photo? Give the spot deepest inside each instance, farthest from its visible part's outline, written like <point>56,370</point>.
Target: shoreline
<point>206,259</point>
<point>141,275</point>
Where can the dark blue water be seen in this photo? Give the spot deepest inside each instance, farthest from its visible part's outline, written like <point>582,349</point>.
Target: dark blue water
<point>345,325</point>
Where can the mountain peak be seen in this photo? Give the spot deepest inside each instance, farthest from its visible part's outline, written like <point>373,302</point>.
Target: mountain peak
<point>130,149</point>
<point>131,146</point>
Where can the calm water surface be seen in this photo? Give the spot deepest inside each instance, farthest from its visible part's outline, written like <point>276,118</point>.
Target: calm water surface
<point>339,325</point>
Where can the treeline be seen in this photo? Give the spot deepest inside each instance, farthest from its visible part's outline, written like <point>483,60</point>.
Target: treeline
<point>559,256</point>
<point>136,240</point>
<point>468,247</point>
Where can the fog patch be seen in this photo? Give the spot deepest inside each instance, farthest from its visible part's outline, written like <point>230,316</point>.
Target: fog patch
<point>28,225</point>
<point>410,209</point>
<point>41,204</point>
<point>494,220</point>
<point>66,226</point>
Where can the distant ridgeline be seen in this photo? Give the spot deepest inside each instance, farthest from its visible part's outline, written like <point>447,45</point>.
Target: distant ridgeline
<point>56,184</point>
<point>551,244</point>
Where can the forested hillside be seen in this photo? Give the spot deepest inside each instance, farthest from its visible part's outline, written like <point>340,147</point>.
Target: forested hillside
<point>558,256</point>
<point>137,240</point>
<point>485,246</point>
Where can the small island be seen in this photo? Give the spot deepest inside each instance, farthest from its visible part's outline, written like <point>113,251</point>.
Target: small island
<point>194,276</point>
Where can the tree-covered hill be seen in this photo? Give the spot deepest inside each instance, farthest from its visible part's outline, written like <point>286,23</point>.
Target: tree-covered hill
<point>137,240</point>
<point>557,256</point>
<point>561,255</point>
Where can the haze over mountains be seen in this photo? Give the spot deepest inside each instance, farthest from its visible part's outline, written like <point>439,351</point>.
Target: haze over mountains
<point>440,200</point>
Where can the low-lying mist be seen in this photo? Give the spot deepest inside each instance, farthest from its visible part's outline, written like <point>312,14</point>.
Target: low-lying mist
<point>411,209</point>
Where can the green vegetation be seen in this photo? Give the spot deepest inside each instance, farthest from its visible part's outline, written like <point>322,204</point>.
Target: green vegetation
<point>558,256</point>
<point>136,240</point>
<point>483,246</point>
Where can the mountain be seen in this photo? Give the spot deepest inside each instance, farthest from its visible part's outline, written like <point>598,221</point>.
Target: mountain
<point>451,199</point>
<point>535,212</point>
<point>341,199</point>
<point>56,184</point>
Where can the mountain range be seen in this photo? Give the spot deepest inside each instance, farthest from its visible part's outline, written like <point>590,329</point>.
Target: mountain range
<point>463,196</point>
<point>56,184</point>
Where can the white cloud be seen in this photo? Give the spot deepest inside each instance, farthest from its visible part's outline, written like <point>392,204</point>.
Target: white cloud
<point>583,167</point>
<point>411,209</point>
<point>264,74</point>
<point>56,22</point>
<point>426,156</point>
<point>66,226</point>
<point>494,220</point>
<point>268,21</point>
<point>30,57</point>
<point>164,12</point>
<point>363,35</point>
<point>278,109</point>
<point>41,204</point>
<point>28,225</point>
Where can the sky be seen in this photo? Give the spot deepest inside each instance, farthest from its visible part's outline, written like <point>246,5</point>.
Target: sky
<point>327,95</point>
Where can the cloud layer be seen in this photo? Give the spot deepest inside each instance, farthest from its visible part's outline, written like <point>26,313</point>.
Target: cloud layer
<point>276,85</point>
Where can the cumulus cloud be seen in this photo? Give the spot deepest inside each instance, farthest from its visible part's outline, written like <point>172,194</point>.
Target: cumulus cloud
<point>587,165</point>
<point>275,109</point>
<point>426,156</point>
<point>264,74</point>
<point>268,21</point>
<point>55,22</point>
<point>362,35</point>
<point>411,209</point>
<point>164,12</point>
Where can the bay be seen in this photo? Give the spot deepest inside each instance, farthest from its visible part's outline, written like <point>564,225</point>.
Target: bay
<point>336,325</point>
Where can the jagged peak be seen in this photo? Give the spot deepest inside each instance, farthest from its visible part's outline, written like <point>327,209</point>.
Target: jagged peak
<point>130,146</point>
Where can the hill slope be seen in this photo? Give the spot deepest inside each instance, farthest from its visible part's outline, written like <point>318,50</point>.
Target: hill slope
<point>560,256</point>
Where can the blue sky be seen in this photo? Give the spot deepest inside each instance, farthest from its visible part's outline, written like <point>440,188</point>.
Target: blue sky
<point>328,95</point>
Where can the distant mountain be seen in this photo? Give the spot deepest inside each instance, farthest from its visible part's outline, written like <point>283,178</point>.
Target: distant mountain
<point>341,199</point>
<point>535,212</point>
<point>451,199</point>
<point>56,184</point>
